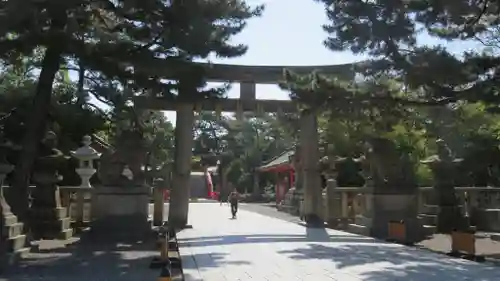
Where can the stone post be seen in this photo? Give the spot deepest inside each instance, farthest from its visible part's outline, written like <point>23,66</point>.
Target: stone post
<point>310,158</point>
<point>336,201</point>
<point>256,187</point>
<point>334,204</point>
<point>85,156</point>
<point>49,219</point>
<point>421,200</point>
<point>344,206</point>
<point>179,202</point>
<point>277,188</point>
<point>473,204</point>
<point>158,203</point>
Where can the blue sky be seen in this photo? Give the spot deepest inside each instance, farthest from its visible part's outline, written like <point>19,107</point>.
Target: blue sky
<point>290,33</point>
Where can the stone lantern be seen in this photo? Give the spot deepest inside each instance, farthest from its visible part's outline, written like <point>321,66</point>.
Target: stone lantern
<point>49,219</point>
<point>391,192</point>
<point>85,156</point>
<point>127,173</point>
<point>443,166</point>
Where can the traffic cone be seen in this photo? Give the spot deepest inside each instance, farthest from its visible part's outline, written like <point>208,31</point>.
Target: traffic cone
<point>165,274</point>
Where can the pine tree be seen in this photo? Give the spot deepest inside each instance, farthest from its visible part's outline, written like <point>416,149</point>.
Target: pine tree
<point>125,41</point>
<point>387,32</point>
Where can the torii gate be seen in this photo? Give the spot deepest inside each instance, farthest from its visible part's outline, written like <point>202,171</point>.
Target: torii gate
<point>247,77</point>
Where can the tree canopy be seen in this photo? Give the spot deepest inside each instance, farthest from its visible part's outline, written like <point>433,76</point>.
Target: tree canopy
<point>386,31</point>
<point>120,49</point>
<point>406,91</point>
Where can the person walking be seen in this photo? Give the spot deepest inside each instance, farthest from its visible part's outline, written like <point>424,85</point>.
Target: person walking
<point>233,200</point>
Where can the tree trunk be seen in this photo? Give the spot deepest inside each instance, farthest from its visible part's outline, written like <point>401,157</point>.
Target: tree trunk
<point>309,155</point>
<point>35,130</point>
<point>179,199</point>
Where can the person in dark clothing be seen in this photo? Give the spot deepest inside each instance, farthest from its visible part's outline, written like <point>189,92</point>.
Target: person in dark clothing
<point>233,200</point>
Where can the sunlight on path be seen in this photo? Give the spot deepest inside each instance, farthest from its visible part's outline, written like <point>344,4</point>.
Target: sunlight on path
<point>256,247</point>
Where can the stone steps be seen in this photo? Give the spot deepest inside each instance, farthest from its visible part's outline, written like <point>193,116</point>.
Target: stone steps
<point>362,220</point>
<point>365,231</point>
<point>358,229</point>
<point>10,219</point>
<point>429,214</point>
<point>53,229</point>
<point>12,258</point>
<point>13,229</point>
<point>433,209</point>
<point>15,243</point>
<point>65,234</point>
<point>429,219</point>
<point>429,229</point>
<point>430,209</point>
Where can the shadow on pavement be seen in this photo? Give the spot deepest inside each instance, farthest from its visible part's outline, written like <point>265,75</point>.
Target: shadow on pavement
<point>87,260</point>
<point>210,260</point>
<point>319,234</point>
<point>390,263</point>
<point>313,235</point>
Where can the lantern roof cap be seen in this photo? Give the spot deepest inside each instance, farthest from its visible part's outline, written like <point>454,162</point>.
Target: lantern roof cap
<point>86,152</point>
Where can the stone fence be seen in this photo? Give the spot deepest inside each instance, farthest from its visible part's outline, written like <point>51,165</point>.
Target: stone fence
<point>75,198</point>
<point>73,204</point>
<point>481,204</point>
<point>78,201</point>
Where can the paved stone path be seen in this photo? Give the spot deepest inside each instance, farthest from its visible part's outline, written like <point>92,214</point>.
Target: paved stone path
<point>257,247</point>
<point>437,243</point>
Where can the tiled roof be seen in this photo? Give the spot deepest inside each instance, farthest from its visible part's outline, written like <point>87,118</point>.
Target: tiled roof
<point>283,158</point>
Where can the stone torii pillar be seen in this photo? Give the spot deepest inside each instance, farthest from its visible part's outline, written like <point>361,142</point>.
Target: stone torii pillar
<point>309,152</point>
<point>180,192</point>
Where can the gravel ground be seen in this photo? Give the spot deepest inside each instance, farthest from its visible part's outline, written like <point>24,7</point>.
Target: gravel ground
<point>438,243</point>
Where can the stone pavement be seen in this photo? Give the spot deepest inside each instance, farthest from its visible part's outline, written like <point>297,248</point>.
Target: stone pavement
<point>485,246</point>
<point>257,247</point>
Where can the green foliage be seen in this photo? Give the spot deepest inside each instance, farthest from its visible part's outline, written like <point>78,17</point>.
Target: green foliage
<point>387,31</point>
<point>120,49</point>
<point>245,144</point>
<point>69,120</point>
<point>128,41</point>
<point>407,92</point>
